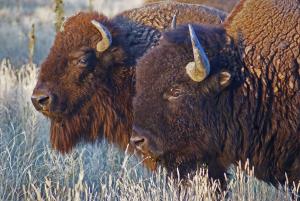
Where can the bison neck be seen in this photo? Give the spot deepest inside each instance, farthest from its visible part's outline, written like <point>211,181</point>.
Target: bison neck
<point>117,118</point>
<point>264,125</point>
<point>136,38</point>
<point>266,107</point>
<point>265,131</point>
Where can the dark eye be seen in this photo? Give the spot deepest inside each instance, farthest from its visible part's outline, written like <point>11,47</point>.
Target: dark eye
<point>173,93</point>
<point>83,61</point>
<point>85,57</point>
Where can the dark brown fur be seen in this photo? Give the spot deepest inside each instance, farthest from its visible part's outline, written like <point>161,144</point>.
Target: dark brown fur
<point>94,101</point>
<point>256,117</point>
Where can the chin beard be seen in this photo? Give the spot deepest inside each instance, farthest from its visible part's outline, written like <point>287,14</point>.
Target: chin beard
<point>96,120</point>
<point>95,124</point>
<point>67,133</point>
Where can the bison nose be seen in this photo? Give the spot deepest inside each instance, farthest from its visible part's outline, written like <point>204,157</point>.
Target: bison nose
<point>139,141</point>
<point>41,101</point>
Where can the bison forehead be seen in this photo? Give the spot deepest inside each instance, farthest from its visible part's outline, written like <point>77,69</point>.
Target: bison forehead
<point>78,30</point>
<point>164,65</point>
<point>160,69</point>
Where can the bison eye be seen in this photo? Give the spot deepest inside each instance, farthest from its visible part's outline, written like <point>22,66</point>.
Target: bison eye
<point>84,57</point>
<point>173,93</point>
<point>83,61</point>
<point>176,92</point>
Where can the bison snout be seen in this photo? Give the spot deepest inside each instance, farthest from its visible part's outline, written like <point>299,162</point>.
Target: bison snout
<point>41,101</point>
<point>138,140</point>
<point>143,141</point>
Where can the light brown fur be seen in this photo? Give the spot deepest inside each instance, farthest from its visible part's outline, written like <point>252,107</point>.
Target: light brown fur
<point>225,5</point>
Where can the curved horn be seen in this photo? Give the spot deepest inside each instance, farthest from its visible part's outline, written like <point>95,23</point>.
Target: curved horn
<point>199,69</point>
<point>106,41</point>
<point>174,22</point>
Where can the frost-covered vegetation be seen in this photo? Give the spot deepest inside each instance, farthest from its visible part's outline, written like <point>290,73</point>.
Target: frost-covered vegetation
<point>30,170</point>
<point>17,17</point>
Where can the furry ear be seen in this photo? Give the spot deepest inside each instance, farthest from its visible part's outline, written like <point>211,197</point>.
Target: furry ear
<point>216,83</point>
<point>224,79</point>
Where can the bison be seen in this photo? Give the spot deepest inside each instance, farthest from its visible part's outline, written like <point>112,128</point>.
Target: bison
<point>85,86</point>
<point>226,5</point>
<point>217,95</point>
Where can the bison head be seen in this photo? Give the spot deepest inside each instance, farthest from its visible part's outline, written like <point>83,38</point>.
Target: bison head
<point>180,91</point>
<point>76,83</point>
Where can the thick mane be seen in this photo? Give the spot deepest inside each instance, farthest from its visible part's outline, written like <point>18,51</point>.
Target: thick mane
<point>237,8</point>
<point>160,14</point>
<point>220,4</point>
<point>97,119</point>
<point>267,35</point>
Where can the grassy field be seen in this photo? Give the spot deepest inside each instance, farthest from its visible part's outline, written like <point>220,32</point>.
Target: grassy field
<point>17,17</point>
<point>30,170</point>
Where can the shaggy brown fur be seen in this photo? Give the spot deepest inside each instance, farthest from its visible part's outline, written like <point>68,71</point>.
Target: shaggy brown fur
<point>270,50</point>
<point>83,102</point>
<point>159,15</point>
<point>226,5</point>
<point>91,91</point>
<point>255,117</point>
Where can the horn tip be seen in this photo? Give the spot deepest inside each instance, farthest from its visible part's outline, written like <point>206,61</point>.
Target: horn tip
<point>174,22</point>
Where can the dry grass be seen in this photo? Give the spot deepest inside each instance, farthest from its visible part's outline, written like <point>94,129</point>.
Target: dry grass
<point>17,17</point>
<point>30,170</point>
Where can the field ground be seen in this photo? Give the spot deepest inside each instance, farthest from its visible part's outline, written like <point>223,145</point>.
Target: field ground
<point>30,170</point>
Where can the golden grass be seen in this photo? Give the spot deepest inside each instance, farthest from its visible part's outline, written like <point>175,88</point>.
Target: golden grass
<point>30,170</point>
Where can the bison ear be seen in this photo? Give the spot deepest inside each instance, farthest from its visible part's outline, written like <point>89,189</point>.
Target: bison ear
<point>106,41</point>
<point>216,83</point>
<point>224,79</point>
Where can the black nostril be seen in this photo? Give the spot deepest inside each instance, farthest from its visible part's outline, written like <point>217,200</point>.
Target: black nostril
<point>43,101</point>
<point>138,139</point>
<point>139,142</point>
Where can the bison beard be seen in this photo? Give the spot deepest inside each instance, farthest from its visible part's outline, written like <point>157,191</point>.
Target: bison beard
<point>95,119</point>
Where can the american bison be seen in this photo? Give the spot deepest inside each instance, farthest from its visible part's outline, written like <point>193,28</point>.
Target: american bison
<point>85,85</point>
<point>226,5</point>
<point>216,95</point>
